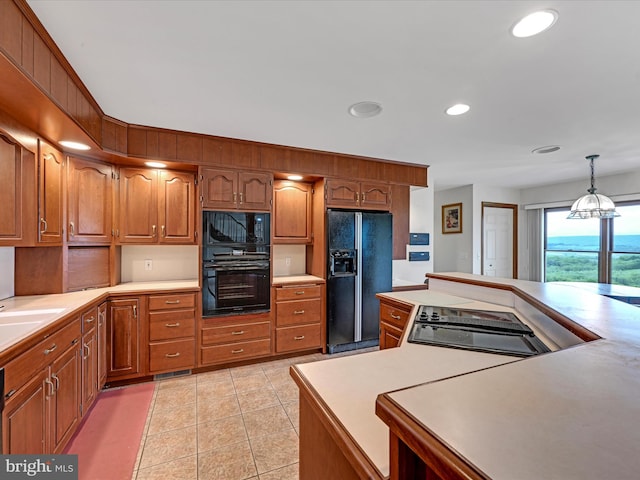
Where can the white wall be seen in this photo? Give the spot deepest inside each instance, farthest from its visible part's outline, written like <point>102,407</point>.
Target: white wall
<point>454,251</point>
<point>170,262</point>
<point>7,267</point>
<point>420,221</point>
<point>615,186</point>
<point>289,259</point>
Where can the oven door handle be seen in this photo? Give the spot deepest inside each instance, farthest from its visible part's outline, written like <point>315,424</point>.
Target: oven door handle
<point>236,268</point>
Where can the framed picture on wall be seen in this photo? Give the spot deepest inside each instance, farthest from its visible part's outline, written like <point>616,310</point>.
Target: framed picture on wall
<point>452,218</point>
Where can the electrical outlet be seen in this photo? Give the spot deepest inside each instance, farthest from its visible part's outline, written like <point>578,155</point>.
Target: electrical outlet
<point>287,261</point>
<point>148,265</point>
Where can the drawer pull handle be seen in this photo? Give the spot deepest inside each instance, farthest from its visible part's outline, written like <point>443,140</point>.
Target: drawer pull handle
<point>241,332</point>
<point>90,319</point>
<point>172,355</point>
<point>299,337</point>
<point>86,348</point>
<point>237,351</point>
<point>395,317</point>
<point>301,292</point>
<point>43,222</point>
<point>47,351</point>
<point>298,312</point>
<point>172,325</point>
<point>172,302</point>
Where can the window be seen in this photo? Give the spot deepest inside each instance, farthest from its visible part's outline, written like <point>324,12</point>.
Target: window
<point>593,250</point>
<point>625,246</point>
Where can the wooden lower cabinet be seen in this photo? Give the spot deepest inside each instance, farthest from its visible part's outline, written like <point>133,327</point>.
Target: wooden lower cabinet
<point>124,342</point>
<point>42,413</point>
<point>394,316</point>
<point>172,332</point>
<point>89,354</point>
<point>102,345</point>
<point>299,317</point>
<point>234,338</point>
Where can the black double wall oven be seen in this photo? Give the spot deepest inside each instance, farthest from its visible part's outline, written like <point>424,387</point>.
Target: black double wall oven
<point>235,263</point>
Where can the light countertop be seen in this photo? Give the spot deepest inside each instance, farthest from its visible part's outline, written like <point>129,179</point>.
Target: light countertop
<point>569,414</point>
<point>23,316</point>
<point>292,279</point>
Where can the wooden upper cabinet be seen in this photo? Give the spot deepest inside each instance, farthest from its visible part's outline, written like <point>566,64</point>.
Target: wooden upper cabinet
<point>89,201</point>
<point>255,190</point>
<point>342,193</point>
<point>156,206</point>
<point>232,190</point>
<point>219,188</point>
<point>138,206</point>
<point>10,190</point>
<point>350,194</point>
<point>292,212</point>
<point>177,209</point>
<point>50,194</point>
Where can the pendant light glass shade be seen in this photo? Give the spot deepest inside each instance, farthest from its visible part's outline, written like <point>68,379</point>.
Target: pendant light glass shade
<point>593,205</point>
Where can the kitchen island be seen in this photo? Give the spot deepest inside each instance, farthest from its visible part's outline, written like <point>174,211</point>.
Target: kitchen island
<point>446,413</point>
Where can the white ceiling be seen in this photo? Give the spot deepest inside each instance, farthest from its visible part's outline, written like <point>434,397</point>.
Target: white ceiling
<point>285,72</point>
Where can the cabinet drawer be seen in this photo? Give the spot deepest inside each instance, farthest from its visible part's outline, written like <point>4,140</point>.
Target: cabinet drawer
<point>394,315</point>
<point>89,319</point>
<point>175,355</point>
<point>298,338</point>
<point>22,368</point>
<point>235,333</point>
<point>235,351</point>
<point>172,301</point>
<point>297,313</point>
<point>168,325</point>
<point>298,292</point>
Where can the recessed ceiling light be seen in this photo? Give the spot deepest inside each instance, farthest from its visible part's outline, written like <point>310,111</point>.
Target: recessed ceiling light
<point>365,109</point>
<point>457,109</point>
<point>547,149</point>
<point>294,177</point>
<point>534,23</point>
<point>156,164</point>
<point>74,145</point>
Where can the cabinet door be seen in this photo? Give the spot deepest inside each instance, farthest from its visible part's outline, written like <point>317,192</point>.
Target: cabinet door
<point>24,420</point>
<point>10,189</point>
<point>65,403</point>
<point>219,188</point>
<point>89,369</point>
<point>177,207</point>
<point>291,212</point>
<point>50,185</point>
<point>342,193</point>
<point>89,202</point>
<point>123,331</point>
<point>102,345</point>
<point>138,221</point>
<point>375,195</point>
<point>255,190</point>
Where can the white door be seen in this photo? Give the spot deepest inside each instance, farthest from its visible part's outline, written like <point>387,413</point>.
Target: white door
<point>497,242</point>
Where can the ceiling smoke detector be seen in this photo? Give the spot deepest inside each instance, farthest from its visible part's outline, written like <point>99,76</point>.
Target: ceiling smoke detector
<point>365,109</point>
<point>547,149</point>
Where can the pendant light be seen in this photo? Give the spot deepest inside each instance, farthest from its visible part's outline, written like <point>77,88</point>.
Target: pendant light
<point>593,205</point>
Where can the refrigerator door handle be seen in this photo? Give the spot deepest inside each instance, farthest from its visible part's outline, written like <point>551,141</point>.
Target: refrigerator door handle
<point>358,269</point>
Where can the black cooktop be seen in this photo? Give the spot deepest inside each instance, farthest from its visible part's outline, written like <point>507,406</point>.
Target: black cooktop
<point>480,330</point>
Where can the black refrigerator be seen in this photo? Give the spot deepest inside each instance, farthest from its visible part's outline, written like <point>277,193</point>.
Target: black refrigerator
<point>359,266</point>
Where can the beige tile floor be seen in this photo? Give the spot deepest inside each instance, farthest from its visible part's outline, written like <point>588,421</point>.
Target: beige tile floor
<point>230,424</point>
